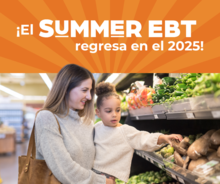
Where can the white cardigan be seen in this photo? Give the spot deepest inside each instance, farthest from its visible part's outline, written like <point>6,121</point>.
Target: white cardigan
<point>115,147</point>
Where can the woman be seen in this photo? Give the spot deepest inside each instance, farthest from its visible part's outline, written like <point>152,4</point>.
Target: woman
<point>69,155</point>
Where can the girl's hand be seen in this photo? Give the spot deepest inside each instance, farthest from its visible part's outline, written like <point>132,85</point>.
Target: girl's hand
<point>110,181</point>
<point>168,138</point>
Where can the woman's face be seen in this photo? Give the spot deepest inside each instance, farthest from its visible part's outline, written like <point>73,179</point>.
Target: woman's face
<point>80,95</point>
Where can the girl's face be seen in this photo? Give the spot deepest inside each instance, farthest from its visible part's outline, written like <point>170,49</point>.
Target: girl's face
<point>80,95</point>
<point>110,111</point>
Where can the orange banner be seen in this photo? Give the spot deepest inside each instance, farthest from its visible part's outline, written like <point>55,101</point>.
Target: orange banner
<point>126,36</point>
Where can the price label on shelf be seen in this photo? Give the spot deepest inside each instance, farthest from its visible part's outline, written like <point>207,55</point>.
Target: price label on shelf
<point>156,116</point>
<point>173,176</point>
<point>216,114</point>
<point>137,118</point>
<point>209,164</point>
<point>181,180</point>
<point>2,136</point>
<point>190,115</point>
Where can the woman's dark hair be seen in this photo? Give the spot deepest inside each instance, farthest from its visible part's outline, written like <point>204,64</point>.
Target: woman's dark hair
<point>105,90</point>
<point>69,77</point>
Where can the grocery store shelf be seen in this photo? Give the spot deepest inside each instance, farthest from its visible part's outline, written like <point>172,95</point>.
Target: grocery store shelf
<point>149,117</point>
<point>202,114</point>
<point>202,107</point>
<point>151,157</point>
<point>185,115</point>
<point>179,174</point>
<point>142,117</point>
<point>189,178</point>
<point>180,115</point>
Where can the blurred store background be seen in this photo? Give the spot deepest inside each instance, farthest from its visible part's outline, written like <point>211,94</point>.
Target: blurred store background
<point>21,95</point>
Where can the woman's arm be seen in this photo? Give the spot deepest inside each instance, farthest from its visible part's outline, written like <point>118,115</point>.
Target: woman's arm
<point>51,146</point>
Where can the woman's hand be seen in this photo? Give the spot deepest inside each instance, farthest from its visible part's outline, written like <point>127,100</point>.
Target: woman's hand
<point>110,181</point>
<point>168,138</point>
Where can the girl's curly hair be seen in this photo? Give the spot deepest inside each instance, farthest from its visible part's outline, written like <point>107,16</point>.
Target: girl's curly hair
<point>105,90</point>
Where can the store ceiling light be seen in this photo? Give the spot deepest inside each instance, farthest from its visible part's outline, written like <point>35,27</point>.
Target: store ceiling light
<point>46,79</point>
<point>112,77</point>
<point>18,75</point>
<point>11,92</point>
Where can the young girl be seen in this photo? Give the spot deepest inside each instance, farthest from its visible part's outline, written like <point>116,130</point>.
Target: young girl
<point>115,143</point>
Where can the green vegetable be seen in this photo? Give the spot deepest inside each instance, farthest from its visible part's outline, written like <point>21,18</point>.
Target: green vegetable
<point>190,80</point>
<point>168,80</point>
<point>181,86</point>
<point>160,91</point>
<point>170,150</point>
<point>178,93</point>
<point>191,136</point>
<point>217,93</point>
<point>192,75</point>
<point>198,136</point>
<point>167,155</point>
<point>160,86</point>
<point>156,180</point>
<point>215,77</point>
<point>192,85</point>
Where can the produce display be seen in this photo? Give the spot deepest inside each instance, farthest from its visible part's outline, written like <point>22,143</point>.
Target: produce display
<point>185,96</point>
<point>165,152</point>
<point>174,89</point>
<point>149,177</point>
<point>208,83</point>
<point>140,96</point>
<point>192,138</point>
<point>204,149</point>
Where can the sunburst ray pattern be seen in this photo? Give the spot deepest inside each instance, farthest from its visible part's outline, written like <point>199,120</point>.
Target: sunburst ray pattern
<point>33,53</point>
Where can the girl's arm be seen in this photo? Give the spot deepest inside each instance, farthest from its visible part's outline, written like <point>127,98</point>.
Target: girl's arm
<point>143,140</point>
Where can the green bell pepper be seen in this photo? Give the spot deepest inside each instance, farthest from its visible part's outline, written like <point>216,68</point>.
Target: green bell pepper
<point>168,80</point>
<point>178,93</point>
<point>160,91</point>
<point>181,86</point>
<point>215,77</point>
<point>190,80</point>
<point>192,85</point>
<point>189,75</point>
<point>160,86</point>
